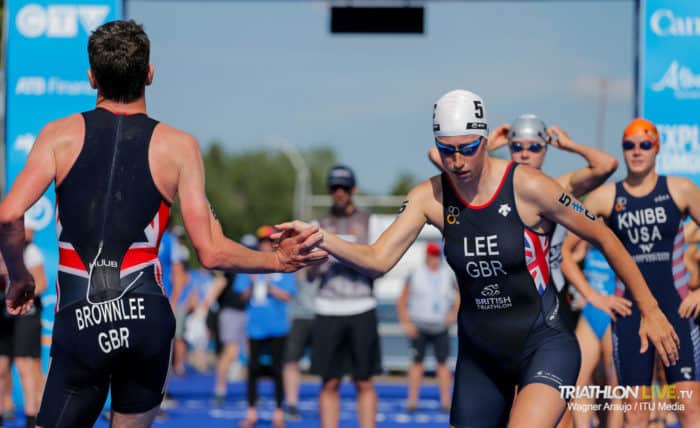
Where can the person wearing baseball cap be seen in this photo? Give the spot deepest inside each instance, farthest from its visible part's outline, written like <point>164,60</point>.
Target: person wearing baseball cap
<point>495,218</point>
<point>427,308</point>
<point>228,320</point>
<point>267,297</point>
<point>646,211</point>
<point>345,328</point>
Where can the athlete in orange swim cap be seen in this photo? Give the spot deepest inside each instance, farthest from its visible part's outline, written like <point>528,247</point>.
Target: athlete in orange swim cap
<point>642,127</point>
<point>646,212</point>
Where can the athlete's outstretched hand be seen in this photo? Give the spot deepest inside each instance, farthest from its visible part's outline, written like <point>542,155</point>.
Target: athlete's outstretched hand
<point>690,306</point>
<point>298,246</point>
<point>611,305</point>
<point>654,327</point>
<point>19,295</point>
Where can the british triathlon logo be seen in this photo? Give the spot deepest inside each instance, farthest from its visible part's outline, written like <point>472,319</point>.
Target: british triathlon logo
<point>492,299</point>
<point>452,215</point>
<point>491,291</point>
<point>504,210</point>
<point>681,80</point>
<point>59,21</point>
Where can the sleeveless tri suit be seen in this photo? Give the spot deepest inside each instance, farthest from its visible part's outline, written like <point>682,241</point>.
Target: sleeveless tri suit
<point>651,229</point>
<point>510,332</point>
<point>113,324</point>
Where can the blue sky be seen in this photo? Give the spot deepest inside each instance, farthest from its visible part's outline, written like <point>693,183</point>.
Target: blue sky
<point>245,73</point>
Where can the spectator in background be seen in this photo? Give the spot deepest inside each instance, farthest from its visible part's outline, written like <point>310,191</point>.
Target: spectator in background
<point>173,278</point>
<point>427,307</point>
<point>170,255</point>
<point>345,331</point>
<point>232,320</point>
<point>268,325</point>
<point>182,297</point>
<point>196,334</point>
<point>302,310</point>
<point>20,341</point>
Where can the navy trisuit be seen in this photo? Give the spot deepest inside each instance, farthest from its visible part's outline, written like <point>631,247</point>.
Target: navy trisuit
<point>510,332</point>
<point>113,324</point>
<point>651,229</point>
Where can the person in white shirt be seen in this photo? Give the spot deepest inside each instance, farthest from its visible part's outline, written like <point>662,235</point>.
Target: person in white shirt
<point>427,308</point>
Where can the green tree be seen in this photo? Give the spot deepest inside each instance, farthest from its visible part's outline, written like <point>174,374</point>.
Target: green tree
<point>403,184</point>
<point>251,188</point>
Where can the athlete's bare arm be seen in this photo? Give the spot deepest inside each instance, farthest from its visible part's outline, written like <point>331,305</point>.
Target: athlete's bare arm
<point>36,176</point>
<point>601,200</point>
<point>609,304</point>
<point>600,166</point>
<point>178,168</point>
<point>375,259</point>
<point>686,196</point>
<point>539,197</point>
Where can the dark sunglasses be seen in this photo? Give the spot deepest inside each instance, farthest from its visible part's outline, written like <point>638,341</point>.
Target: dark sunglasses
<point>464,149</point>
<point>334,188</point>
<point>644,145</point>
<point>516,147</point>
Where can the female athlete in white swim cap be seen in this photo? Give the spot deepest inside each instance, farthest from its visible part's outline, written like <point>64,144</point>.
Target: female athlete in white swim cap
<point>495,217</point>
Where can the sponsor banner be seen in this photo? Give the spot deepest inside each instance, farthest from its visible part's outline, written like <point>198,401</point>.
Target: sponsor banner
<point>670,81</point>
<point>46,79</point>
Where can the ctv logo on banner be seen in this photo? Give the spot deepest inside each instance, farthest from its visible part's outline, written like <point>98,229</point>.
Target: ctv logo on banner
<point>59,21</point>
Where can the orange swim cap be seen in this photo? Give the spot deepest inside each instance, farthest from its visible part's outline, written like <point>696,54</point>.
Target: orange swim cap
<point>639,125</point>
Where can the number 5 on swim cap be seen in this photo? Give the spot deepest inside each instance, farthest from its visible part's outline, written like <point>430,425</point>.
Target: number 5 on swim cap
<point>460,112</point>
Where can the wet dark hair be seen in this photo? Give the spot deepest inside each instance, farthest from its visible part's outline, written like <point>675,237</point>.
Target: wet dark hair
<point>119,57</point>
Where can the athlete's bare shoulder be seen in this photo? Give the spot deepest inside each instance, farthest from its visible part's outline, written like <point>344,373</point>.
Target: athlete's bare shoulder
<point>682,189</point>
<point>600,200</point>
<point>172,138</point>
<point>172,151</point>
<point>680,184</point>
<point>65,137</point>
<point>64,130</point>
<point>427,198</point>
<point>428,190</point>
<point>528,181</point>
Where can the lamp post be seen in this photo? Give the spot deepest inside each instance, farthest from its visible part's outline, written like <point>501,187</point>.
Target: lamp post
<point>302,187</point>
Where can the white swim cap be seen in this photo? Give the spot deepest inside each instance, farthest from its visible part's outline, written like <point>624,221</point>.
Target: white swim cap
<point>460,112</point>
